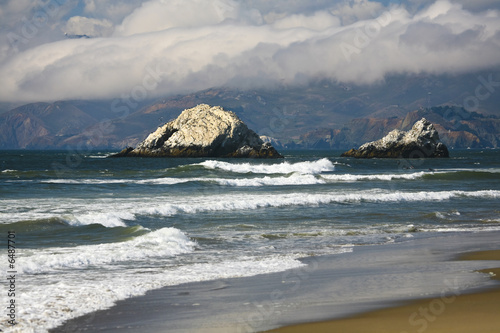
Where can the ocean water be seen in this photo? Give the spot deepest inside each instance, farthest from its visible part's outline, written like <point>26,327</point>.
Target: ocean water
<point>90,230</point>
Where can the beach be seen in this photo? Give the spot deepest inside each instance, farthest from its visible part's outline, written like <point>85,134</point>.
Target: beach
<point>456,312</point>
<point>424,285</point>
<point>231,245</point>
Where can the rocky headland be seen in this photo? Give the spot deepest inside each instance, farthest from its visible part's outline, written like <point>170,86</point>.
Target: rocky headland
<point>422,141</point>
<point>203,131</point>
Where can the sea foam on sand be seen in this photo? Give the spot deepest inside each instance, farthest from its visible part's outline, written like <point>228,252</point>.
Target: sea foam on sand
<point>334,286</point>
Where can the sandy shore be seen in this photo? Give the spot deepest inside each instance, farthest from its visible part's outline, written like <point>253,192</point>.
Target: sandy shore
<point>452,312</point>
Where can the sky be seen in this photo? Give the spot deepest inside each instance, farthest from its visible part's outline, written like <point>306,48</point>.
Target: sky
<point>146,49</point>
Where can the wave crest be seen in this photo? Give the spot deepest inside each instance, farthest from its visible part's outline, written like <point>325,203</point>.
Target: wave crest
<point>165,242</point>
<point>307,167</point>
<point>246,202</point>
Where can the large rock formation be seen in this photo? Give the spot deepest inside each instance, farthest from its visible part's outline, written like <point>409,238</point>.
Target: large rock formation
<point>421,141</point>
<point>203,131</point>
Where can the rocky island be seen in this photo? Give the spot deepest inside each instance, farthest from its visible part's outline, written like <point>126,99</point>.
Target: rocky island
<point>421,141</point>
<point>203,131</point>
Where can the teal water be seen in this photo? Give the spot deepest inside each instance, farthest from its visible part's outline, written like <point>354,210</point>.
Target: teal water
<point>92,230</point>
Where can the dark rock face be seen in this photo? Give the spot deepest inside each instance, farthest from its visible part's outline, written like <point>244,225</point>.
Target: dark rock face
<point>421,141</point>
<point>203,131</point>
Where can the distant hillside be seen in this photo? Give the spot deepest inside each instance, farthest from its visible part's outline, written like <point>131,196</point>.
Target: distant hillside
<point>41,125</point>
<point>48,125</point>
<point>457,128</point>
<point>321,115</point>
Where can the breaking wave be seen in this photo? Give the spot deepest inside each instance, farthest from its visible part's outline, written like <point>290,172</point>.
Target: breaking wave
<point>165,242</point>
<point>115,213</point>
<point>245,202</point>
<point>294,179</point>
<point>314,167</point>
<point>100,290</point>
<point>384,177</point>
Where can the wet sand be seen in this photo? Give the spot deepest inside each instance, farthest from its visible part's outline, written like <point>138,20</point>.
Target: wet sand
<point>452,312</point>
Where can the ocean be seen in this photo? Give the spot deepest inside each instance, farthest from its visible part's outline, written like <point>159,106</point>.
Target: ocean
<point>90,230</point>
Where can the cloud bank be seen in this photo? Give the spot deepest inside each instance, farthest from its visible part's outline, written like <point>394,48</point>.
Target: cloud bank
<point>159,47</point>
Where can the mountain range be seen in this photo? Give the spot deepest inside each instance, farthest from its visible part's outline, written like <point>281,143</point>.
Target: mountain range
<point>457,128</point>
<point>320,115</point>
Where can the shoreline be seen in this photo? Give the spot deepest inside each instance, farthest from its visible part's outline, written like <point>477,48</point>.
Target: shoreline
<point>455,312</point>
<point>371,278</point>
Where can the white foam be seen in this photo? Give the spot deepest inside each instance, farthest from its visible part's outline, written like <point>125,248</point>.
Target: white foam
<point>302,174</point>
<point>49,303</point>
<point>308,167</point>
<point>8,171</point>
<point>164,242</point>
<point>294,179</point>
<point>107,219</point>
<point>384,177</point>
<point>246,202</point>
<point>100,156</point>
<point>440,215</point>
<point>487,170</point>
<point>113,212</point>
<point>97,181</point>
<point>168,181</point>
<point>403,176</point>
<point>458,229</point>
<point>447,215</point>
<point>86,181</point>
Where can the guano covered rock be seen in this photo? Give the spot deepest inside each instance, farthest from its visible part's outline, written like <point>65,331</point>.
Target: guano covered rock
<point>422,141</point>
<point>203,131</point>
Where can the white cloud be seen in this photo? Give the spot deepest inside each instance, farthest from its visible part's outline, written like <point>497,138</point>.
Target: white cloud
<point>319,21</point>
<point>13,10</point>
<point>351,11</point>
<point>112,10</point>
<point>440,7</point>
<point>161,48</point>
<point>78,25</point>
<point>166,14</point>
<point>475,6</point>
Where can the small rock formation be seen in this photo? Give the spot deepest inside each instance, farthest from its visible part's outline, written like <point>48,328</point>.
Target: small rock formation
<point>421,141</point>
<point>203,131</point>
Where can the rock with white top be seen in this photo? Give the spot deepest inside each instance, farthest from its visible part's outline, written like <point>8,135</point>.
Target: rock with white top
<point>422,141</point>
<point>203,131</point>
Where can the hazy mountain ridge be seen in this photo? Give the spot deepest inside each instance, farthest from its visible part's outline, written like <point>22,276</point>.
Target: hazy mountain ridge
<point>321,115</point>
<point>457,128</point>
<point>42,125</point>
